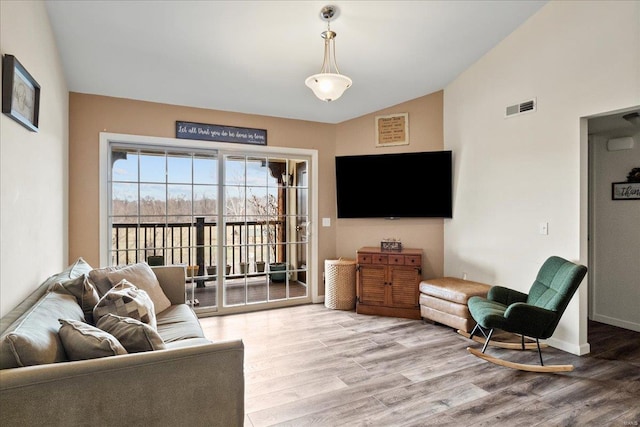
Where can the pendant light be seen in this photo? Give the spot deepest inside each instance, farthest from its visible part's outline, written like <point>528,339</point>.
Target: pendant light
<point>329,84</point>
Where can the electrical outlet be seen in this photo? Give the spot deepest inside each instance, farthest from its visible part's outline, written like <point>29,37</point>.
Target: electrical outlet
<point>543,228</point>
<point>464,276</point>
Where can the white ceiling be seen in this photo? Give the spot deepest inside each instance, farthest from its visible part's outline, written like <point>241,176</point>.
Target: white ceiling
<point>613,125</point>
<point>253,56</point>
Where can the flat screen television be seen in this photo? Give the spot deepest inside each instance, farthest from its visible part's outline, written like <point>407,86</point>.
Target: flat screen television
<point>406,185</point>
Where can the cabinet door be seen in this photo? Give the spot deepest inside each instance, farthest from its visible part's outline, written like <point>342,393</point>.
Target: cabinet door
<point>404,286</point>
<point>372,284</point>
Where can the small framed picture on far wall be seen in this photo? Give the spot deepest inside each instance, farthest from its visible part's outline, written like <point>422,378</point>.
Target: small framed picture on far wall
<point>625,191</point>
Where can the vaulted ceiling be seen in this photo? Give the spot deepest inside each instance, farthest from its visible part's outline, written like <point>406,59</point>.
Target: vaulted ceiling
<point>254,56</point>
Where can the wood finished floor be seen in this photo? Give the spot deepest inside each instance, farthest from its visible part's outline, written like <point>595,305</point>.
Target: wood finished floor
<point>309,365</point>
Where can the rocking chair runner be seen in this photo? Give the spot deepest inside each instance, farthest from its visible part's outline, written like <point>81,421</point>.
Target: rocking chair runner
<point>533,315</point>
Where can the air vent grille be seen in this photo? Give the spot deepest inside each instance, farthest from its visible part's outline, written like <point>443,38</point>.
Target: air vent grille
<point>521,108</point>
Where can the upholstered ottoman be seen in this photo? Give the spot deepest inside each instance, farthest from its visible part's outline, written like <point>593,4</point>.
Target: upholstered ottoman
<point>444,300</point>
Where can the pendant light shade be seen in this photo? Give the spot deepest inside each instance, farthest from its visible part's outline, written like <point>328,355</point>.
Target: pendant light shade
<point>328,84</point>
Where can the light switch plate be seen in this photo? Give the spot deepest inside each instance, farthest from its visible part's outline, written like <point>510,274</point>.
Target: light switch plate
<point>543,228</point>
<point>326,222</point>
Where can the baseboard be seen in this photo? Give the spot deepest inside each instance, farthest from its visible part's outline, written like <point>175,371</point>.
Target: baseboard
<point>578,350</point>
<point>319,299</point>
<point>616,322</point>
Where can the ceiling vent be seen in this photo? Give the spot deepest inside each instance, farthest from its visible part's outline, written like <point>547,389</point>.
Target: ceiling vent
<point>528,106</point>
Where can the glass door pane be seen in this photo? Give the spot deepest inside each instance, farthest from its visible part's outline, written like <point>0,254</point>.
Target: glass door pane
<point>265,236</point>
<point>163,210</point>
<point>204,205</point>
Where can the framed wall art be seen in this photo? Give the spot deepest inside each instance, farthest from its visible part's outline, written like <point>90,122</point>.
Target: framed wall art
<point>625,191</point>
<point>392,129</point>
<point>20,93</point>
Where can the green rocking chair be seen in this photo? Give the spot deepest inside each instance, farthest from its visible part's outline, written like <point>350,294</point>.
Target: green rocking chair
<point>534,315</point>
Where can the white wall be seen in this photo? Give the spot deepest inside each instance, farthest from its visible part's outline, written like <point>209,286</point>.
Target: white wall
<point>33,174</point>
<point>578,59</point>
<point>615,298</point>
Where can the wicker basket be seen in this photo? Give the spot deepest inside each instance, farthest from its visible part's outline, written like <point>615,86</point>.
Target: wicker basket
<point>340,281</point>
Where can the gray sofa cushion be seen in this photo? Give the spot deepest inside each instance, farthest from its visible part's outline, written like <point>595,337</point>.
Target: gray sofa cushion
<point>82,341</point>
<point>178,322</point>
<point>33,339</point>
<point>190,342</point>
<point>134,335</point>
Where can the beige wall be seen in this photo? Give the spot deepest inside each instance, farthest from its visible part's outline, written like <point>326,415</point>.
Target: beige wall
<point>90,114</point>
<point>578,58</point>
<point>33,168</point>
<point>357,136</point>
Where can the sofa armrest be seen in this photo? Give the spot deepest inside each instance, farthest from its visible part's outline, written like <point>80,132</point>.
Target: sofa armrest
<point>198,385</point>
<point>172,280</point>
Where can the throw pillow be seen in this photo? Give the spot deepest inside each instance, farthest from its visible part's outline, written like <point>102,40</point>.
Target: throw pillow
<point>134,335</point>
<point>82,341</point>
<point>84,291</point>
<point>73,271</point>
<point>139,274</point>
<point>100,277</point>
<point>126,300</point>
<point>33,339</point>
<point>14,316</point>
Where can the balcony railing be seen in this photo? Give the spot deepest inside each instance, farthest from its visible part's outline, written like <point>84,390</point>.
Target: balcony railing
<point>197,243</point>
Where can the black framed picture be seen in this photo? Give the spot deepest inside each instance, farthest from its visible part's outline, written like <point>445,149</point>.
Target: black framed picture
<point>625,191</point>
<point>20,93</point>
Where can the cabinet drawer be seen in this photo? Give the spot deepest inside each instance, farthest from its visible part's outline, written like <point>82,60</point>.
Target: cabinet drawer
<point>364,258</point>
<point>379,259</point>
<point>396,259</point>
<point>413,260</point>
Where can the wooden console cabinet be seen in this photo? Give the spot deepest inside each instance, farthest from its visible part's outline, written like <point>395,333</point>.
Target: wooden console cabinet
<point>388,282</point>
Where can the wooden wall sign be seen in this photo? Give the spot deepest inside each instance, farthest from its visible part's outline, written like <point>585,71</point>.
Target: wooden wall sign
<point>392,129</point>
<point>219,133</point>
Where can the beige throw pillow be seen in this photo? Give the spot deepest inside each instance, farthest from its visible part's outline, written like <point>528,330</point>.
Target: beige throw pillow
<point>139,274</point>
<point>82,341</point>
<point>126,300</point>
<point>84,291</point>
<point>134,335</point>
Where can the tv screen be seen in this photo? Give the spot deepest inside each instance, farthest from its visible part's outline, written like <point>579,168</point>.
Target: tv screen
<point>407,185</point>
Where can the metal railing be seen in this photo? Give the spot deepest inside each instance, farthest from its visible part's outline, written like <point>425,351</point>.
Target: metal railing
<point>197,243</point>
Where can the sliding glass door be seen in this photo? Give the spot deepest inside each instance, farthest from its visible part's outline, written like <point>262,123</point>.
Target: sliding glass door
<point>239,222</point>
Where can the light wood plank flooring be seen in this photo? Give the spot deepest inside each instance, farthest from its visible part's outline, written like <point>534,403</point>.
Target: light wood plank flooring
<point>309,365</point>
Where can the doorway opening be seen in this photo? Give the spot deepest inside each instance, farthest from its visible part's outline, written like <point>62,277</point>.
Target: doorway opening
<point>613,232</point>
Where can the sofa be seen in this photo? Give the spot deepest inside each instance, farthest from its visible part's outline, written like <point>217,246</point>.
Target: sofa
<point>184,379</point>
